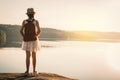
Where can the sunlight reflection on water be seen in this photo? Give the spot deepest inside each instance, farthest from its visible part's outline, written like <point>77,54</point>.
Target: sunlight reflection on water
<point>82,60</point>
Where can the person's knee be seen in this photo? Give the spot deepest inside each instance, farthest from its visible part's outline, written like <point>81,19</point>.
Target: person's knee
<point>33,54</point>
<point>28,54</point>
<point>28,57</point>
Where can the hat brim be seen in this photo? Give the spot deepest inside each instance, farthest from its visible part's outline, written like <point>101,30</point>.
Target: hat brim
<point>30,13</point>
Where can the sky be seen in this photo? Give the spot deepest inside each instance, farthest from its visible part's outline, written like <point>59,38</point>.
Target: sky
<point>97,15</point>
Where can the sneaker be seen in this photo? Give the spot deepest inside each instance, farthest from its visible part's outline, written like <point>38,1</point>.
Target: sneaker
<point>34,74</point>
<point>26,74</point>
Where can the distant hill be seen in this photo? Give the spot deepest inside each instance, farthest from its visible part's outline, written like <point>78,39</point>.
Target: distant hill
<point>11,35</point>
<point>52,34</point>
<point>2,38</point>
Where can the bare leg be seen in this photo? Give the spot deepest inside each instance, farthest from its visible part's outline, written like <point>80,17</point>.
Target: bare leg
<point>34,60</point>
<point>27,61</point>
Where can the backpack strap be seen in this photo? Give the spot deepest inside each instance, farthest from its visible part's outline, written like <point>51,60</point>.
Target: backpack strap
<point>33,21</point>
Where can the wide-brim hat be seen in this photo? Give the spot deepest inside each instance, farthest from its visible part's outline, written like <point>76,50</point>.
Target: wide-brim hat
<point>30,11</point>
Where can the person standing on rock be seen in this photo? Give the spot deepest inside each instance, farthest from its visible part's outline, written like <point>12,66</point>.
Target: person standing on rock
<point>30,31</point>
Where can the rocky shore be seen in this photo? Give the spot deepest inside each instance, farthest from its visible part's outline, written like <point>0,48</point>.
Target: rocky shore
<point>40,76</point>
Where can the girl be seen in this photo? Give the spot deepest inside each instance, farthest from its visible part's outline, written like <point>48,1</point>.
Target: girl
<point>30,31</point>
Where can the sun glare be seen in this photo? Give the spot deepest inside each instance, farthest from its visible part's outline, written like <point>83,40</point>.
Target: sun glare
<point>90,22</point>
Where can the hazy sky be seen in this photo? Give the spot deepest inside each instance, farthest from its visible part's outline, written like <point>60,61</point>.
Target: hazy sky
<point>102,15</point>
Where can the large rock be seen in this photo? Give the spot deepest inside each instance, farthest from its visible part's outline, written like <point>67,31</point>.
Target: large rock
<point>40,76</point>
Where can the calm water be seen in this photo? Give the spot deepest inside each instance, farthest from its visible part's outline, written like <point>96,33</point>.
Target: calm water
<point>81,60</point>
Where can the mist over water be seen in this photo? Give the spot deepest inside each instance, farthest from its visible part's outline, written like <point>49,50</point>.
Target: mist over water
<point>76,59</point>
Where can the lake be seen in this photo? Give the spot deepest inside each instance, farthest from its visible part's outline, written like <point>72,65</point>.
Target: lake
<point>76,59</point>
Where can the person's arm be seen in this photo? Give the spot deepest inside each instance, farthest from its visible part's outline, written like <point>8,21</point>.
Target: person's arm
<point>38,28</point>
<point>21,29</point>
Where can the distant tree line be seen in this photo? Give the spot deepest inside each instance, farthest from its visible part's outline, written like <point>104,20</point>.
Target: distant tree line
<point>2,37</point>
<point>10,34</point>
